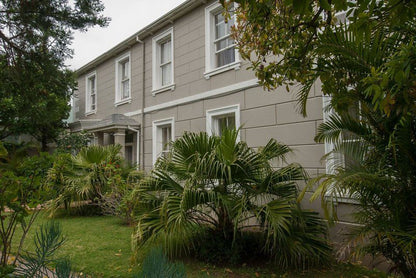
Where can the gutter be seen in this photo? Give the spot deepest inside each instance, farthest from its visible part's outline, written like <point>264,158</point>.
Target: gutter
<point>150,29</point>
<point>141,160</point>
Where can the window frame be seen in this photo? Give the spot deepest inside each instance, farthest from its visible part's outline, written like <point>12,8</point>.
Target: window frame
<point>157,42</point>
<point>157,148</point>
<point>88,110</point>
<point>329,147</point>
<point>213,114</point>
<point>210,64</point>
<point>119,61</point>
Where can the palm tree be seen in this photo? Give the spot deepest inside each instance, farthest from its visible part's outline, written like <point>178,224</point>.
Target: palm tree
<point>219,186</point>
<point>378,143</point>
<point>84,176</point>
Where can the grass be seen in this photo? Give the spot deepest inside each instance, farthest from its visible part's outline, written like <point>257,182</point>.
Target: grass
<point>196,269</point>
<point>100,246</point>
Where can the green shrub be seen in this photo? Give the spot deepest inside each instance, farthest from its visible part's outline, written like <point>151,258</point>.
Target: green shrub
<point>21,195</point>
<point>247,247</point>
<point>220,186</point>
<point>73,142</point>
<point>87,176</point>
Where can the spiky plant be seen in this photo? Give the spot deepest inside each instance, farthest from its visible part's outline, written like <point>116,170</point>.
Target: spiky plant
<point>220,186</point>
<point>157,265</point>
<point>38,264</point>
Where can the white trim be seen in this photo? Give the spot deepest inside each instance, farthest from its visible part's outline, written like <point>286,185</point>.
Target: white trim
<point>210,68</point>
<point>163,89</point>
<point>235,66</point>
<point>124,101</point>
<point>121,58</point>
<point>213,113</point>
<point>155,129</point>
<point>133,113</point>
<point>205,95</point>
<point>90,113</point>
<point>88,93</point>
<point>156,74</point>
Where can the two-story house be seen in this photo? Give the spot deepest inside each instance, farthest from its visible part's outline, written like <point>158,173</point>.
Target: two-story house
<point>183,73</point>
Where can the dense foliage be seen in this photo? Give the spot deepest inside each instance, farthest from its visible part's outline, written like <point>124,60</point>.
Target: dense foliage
<point>286,43</point>
<point>213,190</point>
<point>86,176</point>
<point>35,84</point>
<point>72,142</point>
<point>367,69</point>
<point>21,194</point>
<point>96,180</point>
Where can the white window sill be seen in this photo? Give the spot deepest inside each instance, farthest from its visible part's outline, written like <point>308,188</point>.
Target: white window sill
<point>234,66</point>
<point>344,200</point>
<point>163,89</point>
<point>90,113</point>
<point>121,102</point>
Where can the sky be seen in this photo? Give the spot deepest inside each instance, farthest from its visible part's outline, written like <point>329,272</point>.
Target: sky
<point>127,17</point>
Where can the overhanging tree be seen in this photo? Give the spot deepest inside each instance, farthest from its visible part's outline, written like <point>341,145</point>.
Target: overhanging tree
<point>35,84</point>
<point>367,66</point>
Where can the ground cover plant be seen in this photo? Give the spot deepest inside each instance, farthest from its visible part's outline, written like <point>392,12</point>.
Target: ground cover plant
<point>218,199</point>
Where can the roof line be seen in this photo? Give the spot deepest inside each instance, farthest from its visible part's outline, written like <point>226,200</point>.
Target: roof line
<point>144,32</point>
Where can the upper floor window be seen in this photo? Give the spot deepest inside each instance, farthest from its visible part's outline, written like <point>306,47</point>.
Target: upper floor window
<point>223,118</point>
<point>162,48</point>
<point>220,52</point>
<point>91,93</point>
<point>163,134</point>
<point>123,93</point>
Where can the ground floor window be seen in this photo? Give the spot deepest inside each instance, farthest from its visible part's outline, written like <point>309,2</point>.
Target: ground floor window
<point>222,118</point>
<point>163,134</point>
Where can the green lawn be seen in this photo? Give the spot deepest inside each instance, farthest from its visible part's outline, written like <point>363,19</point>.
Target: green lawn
<point>94,244</point>
<point>100,246</point>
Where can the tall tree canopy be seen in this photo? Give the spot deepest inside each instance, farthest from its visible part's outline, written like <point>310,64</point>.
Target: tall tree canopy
<point>35,84</point>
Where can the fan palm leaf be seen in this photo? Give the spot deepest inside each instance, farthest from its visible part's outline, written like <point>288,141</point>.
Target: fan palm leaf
<point>218,185</point>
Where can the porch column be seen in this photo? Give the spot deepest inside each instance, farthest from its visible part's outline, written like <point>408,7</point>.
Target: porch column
<point>135,150</point>
<point>107,139</point>
<point>100,138</point>
<point>119,138</point>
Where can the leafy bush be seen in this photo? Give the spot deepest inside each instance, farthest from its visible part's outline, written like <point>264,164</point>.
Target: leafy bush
<point>221,187</point>
<point>21,194</point>
<point>73,142</point>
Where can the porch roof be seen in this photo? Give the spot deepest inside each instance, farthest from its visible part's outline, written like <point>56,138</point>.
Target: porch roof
<point>113,122</point>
